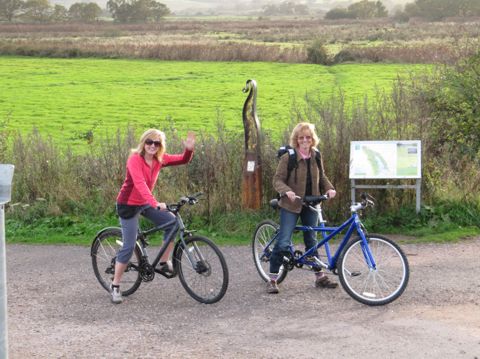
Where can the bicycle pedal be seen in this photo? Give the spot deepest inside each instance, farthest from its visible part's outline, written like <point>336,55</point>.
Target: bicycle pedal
<point>165,272</point>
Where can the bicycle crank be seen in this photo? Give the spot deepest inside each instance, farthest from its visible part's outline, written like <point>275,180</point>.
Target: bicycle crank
<point>147,272</point>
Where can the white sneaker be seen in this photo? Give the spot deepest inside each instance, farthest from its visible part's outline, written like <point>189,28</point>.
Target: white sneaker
<point>116,295</point>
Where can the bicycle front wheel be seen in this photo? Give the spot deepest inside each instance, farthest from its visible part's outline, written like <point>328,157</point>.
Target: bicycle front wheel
<point>374,286</point>
<point>262,246</point>
<point>104,253</point>
<point>203,270</point>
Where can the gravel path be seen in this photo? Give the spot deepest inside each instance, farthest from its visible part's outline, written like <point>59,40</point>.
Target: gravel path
<point>56,309</point>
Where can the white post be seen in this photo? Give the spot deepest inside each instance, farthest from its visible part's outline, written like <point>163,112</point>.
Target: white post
<point>418,195</point>
<point>6,176</point>
<point>3,288</point>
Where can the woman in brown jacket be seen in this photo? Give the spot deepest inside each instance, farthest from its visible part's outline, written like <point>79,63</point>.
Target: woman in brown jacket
<point>306,179</point>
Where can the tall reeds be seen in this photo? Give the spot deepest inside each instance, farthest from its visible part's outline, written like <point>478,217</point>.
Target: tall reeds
<point>52,179</point>
<point>247,40</point>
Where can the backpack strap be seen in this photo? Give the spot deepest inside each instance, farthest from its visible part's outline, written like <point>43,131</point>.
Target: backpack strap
<point>319,162</point>
<point>292,161</point>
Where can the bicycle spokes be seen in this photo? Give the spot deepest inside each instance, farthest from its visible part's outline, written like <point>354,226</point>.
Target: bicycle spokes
<point>376,284</point>
<point>202,269</point>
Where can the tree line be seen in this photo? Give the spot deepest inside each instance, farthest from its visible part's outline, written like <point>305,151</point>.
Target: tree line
<point>440,9</point>
<point>432,10</point>
<point>122,11</point>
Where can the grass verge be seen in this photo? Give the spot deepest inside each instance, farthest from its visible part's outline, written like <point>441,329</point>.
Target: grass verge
<point>223,229</point>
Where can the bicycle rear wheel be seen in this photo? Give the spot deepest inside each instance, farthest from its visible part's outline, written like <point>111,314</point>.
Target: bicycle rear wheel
<point>262,247</point>
<point>374,286</point>
<point>206,277</point>
<point>104,253</point>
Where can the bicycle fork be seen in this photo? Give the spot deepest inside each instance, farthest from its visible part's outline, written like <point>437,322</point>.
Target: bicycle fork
<point>194,255</point>
<point>367,254</point>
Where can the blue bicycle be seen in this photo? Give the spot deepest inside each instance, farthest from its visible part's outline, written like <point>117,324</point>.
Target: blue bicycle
<point>372,268</point>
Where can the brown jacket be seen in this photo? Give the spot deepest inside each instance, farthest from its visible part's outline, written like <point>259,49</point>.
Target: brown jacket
<point>297,181</point>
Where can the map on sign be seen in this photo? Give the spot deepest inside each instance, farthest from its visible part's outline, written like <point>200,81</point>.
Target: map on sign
<point>385,159</point>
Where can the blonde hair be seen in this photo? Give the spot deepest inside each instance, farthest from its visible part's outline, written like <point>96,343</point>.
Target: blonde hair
<point>302,126</point>
<point>152,134</point>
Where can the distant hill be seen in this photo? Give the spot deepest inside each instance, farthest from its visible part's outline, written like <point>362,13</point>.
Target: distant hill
<point>192,7</point>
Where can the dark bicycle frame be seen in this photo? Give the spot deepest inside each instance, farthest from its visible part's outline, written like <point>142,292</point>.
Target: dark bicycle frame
<point>142,243</point>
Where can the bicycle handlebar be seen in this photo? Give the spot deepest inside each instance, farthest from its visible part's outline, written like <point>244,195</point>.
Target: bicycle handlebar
<point>366,201</point>
<point>314,200</point>
<point>306,201</point>
<point>190,199</point>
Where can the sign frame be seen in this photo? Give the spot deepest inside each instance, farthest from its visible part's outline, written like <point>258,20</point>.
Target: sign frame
<point>390,148</point>
<point>391,159</point>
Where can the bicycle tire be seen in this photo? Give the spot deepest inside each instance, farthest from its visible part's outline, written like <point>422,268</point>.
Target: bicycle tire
<point>207,281</point>
<point>104,251</point>
<point>374,286</point>
<point>261,253</point>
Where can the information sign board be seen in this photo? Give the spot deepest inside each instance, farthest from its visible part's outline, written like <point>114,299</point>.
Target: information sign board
<point>385,159</point>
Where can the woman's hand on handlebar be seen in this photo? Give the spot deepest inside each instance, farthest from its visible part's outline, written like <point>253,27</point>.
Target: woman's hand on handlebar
<point>331,193</point>
<point>291,195</point>
<point>161,206</point>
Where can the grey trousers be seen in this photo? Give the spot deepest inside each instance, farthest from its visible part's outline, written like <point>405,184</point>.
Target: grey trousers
<point>130,229</point>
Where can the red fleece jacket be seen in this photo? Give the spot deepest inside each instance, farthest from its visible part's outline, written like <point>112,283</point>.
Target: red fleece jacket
<point>141,178</point>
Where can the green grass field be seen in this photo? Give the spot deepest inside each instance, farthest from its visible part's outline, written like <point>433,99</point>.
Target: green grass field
<point>67,97</point>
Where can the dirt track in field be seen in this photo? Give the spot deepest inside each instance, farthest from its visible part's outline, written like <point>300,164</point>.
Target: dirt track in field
<point>57,309</point>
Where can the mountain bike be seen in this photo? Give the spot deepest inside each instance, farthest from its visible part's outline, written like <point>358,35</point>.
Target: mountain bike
<point>198,262</point>
<point>372,268</point>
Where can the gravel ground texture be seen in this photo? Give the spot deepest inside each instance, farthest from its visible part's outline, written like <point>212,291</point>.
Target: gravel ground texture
<point>57,309</point>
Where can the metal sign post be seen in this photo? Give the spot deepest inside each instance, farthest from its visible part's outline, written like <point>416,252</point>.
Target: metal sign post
<point>417,187</point>
<point>6,176</point>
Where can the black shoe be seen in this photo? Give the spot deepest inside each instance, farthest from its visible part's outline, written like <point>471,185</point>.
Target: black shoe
<point>272,287</point>
<point>166,267</point>
<point>325,282</point>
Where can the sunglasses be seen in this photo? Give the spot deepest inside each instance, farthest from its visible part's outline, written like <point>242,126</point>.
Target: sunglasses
<point>150,142</point>
<point>301,138</point>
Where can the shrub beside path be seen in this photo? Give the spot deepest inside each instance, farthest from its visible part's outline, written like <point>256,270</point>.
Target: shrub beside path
<point>56,309</point>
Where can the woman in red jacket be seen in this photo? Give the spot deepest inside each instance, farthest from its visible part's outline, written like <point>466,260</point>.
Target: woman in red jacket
<point>136,198</point>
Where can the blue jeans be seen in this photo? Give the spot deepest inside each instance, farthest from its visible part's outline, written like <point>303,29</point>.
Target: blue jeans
<point>288,221</point>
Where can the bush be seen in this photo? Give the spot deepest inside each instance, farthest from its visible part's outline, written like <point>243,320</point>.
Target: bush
<point>455,101</point>
<point>345,55</point>
<point>4,134</point>
<point>439,216</point>
<point>317,53</point>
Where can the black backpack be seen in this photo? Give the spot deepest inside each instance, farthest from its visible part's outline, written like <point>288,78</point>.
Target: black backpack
<point>292,158</point>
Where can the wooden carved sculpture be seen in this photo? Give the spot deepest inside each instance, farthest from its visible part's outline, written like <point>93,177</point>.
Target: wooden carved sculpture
<point>252,170</point>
